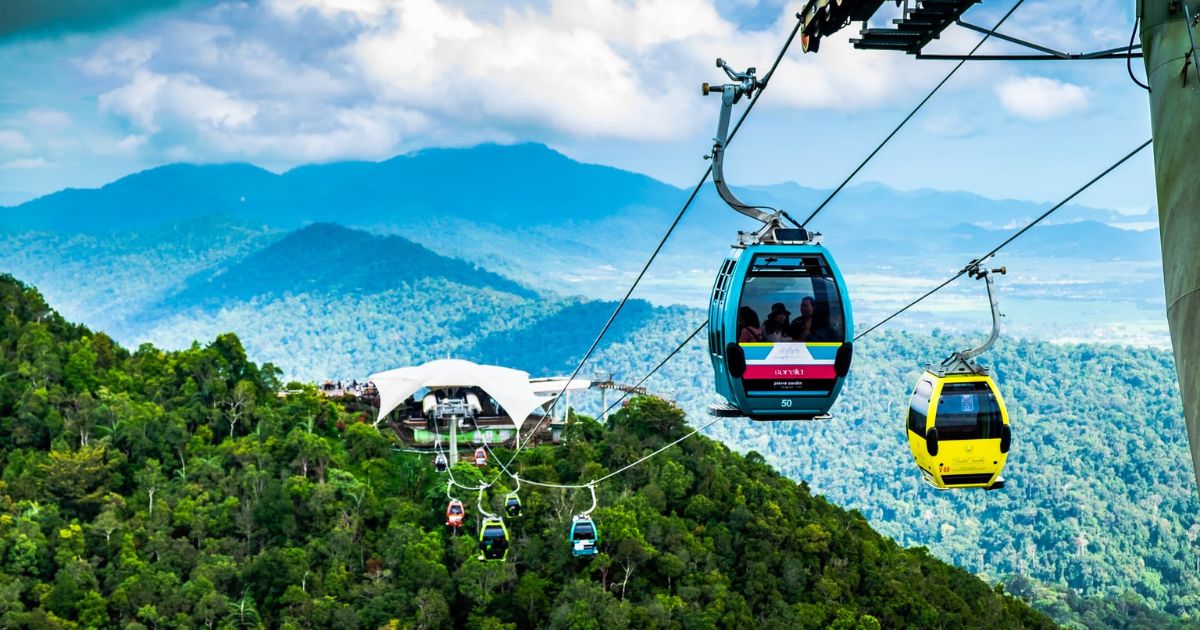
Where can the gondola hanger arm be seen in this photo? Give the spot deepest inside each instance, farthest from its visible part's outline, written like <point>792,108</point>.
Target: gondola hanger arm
<point>482,511</point>
<point>960,362</point>
<point>744,84</point>
<point>592,488</point>
<point>982,273</point>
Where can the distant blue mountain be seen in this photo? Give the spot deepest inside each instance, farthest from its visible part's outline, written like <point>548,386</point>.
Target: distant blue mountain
<point>548,222</point>
<point>515,186</point>
<point>148,199</point>
<point>328,259</point>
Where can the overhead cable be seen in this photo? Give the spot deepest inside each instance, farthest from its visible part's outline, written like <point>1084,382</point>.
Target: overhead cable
<point>678,217</point>
<point>1010,239</point>
<point>909,117</point>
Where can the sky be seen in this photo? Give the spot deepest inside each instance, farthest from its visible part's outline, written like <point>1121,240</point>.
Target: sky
<point>93,90</point>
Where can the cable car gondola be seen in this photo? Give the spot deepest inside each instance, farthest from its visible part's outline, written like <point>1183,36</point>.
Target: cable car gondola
<point>780,326</point>
<point>455,513</point>
<point>512,505</point>
<point>584,536</point>
<point>439,463</point>
<point>493,539</point>
<point>957,426</point>
<point>481,458</point>
<point>512,502</point>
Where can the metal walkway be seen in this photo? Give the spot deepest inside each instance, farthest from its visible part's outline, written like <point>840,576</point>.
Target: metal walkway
<point>918,27</point>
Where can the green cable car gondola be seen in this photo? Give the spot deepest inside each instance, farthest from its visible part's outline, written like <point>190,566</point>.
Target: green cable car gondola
<point>512,505</point>
<point>493,539</point>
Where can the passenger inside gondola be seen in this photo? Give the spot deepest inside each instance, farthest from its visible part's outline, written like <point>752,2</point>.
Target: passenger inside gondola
<point>776,328</point>
<point>802,325</point>
<point>821,331</point>
<point>820,318</point>
<point>749,328</point>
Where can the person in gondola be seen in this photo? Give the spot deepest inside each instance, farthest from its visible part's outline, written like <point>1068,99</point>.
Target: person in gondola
<point>749,329</point>
<point>776,328</point>
<point>494,547</point>
<point>801,327</point>
<point>821,329</point>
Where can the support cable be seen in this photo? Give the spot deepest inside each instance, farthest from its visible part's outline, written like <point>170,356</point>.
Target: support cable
<point>593,482</point>
<point>909,117</point>
<point>695,191</point>
<point>674,352</point>
<point>670,356</point>
<point>1129,60</point>
<point>982,259</point>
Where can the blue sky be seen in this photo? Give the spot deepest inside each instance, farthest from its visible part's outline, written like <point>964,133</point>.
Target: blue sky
<point>87,98</point>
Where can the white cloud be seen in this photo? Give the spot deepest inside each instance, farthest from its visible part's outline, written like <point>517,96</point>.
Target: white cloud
<point>150,98</point>
<point>12,141</point>
<point>1041,98</point>
<point>127,145</point>
<point>120,56</point>
<point>297,80</point>
<point>26,163</point>
<point>47,119</point>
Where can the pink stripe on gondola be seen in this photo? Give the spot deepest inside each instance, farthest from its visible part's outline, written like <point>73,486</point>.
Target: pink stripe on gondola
<point>759,372</point>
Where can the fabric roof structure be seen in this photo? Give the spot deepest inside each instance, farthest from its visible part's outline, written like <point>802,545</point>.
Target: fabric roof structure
<point>511,388</point>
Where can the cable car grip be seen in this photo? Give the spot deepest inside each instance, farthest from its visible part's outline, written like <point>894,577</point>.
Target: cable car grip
<point>744,84</point>
<point>960,362</point>
<point>591,487</point>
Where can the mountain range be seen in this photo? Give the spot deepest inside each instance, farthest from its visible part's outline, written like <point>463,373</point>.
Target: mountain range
<point>553,224</point>
<point>319,299</point>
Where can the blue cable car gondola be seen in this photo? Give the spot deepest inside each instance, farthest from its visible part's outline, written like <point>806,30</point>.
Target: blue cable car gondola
<point>512,502</point>
<point>780,326</point>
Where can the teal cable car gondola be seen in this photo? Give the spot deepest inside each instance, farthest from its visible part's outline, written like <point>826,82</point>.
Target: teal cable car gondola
<point>584,536</point>
<point>780,326</point>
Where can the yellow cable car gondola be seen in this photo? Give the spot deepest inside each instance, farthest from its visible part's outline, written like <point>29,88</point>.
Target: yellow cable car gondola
<point>957,425</point>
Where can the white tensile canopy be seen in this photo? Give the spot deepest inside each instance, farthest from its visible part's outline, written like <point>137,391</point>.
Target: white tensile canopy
<point>511,388</point>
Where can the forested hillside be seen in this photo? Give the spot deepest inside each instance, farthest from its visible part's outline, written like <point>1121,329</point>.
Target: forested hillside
<point>109,278</point>
<point>1051,525</point>
<point>1099,497</point>
<point>326,259</point>
<point>175,489</point>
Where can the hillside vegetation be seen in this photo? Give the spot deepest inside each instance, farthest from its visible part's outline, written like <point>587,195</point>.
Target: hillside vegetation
<point>1100,496</point>
<point>175,489</point>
